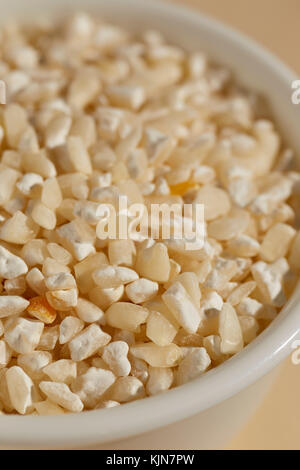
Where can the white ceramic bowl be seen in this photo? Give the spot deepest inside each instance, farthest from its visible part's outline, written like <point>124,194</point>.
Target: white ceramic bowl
<point>223,398</point>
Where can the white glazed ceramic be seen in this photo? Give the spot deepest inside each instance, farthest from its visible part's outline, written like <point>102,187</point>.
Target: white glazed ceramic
<point>224,398</point>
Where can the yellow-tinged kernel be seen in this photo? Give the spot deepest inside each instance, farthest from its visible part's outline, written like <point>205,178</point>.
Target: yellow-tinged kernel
<point>41,309</point>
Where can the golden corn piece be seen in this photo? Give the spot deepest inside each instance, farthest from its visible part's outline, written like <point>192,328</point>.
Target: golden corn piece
<point>41,309</point>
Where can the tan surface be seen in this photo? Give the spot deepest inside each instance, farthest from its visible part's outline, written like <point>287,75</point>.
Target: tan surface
<point>275,24</point>
<point>276,423</point>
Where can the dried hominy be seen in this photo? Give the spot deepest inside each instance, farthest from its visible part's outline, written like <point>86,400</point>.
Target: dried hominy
<point>194,364</point>
<point>69,327</point>
<point>91,321</point>
<point>91,386</point>
<point>89,312</point>
<point>23,335</point>
<point>20,388</point>
<point>63,370</point>
<point>180,304</point>
<point>127,389</point>
<point>115,355</point>
<point>12,305</point>
<point>33,363</point>
<point>60,394</point>
<point>86,343</point>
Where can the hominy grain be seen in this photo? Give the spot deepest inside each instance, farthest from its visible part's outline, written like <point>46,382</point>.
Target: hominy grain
<point>94,114</point>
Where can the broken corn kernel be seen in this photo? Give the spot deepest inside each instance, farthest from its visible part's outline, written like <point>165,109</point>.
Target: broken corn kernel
<point>40,308</point>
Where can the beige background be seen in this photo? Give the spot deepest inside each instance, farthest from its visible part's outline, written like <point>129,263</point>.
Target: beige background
<point>275,24</point>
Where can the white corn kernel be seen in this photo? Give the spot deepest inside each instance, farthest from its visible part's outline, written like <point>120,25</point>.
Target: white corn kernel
<point>12,305</point>
<point>126,96</point>
<point>51,267</point>
<point>211,300</point>
<point>249,307</point>
<point>8,179</point>
<point>57,130</point>
<point>269,282</point>
<point>229,226</point>
<point>159,329</point>
<point>34,362</point>
<point>244,246</point>
<point>240,292</point>
<point>34,252</point>
<point>84,270</point>
<point>160,380</point>
<point>63,370</point>
<point>153,263</point>
<point>181,305</point>
<point>230,331</point>
<point>127,389</point>
<point>5,353</point>
<point>86,343</point>
<point>60,281</point>
<point>83,89</point>
<point>43,216</point>
<point>11,266</point>
<point>277,242</point>
<point>115,355</point>
<point>89,312</point>
<point>107,404</point>
<point>69,328</point>
<point>190,282</point>
<point>107,276</point>
<point>61,395</point>
<point>250,328</point>
<point>141,290</point>
<point>74,155</point>
<point>195,363</point>
<point>38,163</point>
<point>222,272</point>
<point>126,316</point>
<point>123,335</point>
<point>20,388</point>
<point>215,200</point>
<point>49,338</point>
<point>30,185</point>
<point>23,335</point>
<point>59,253</point>
<point>62,299</point>
<point>78,238</point>
<point>19,229</point>
<point>51,195</point>
<point>121,252</point>
<point>15,122</point>
<point>212,345</point>
<point>16,286</point>
<point>91,386</point>
<point>104,298</point>
<point>84,127</point>
<point>158,146</point>
<point>157,356</point>
<point>88,211</point>
<point>139,369</point>
<point>4,393</point>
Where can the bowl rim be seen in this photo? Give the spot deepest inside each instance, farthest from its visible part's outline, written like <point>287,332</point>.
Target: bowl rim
<point>215,386</point>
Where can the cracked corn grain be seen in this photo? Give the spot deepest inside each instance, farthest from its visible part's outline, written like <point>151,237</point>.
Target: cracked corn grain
<point>88,323</point>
